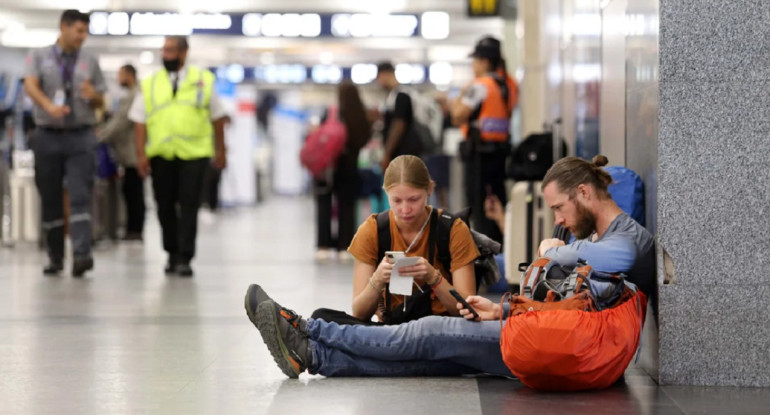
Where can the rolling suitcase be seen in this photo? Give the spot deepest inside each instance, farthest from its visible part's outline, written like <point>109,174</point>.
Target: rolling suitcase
<point>25,215</point>
<point>528,221</point>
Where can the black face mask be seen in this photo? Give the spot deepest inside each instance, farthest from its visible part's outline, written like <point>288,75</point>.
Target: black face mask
<point>171,65</point>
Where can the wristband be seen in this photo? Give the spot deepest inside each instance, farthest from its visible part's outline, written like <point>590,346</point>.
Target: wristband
<point>436,281</point>
<point>374,287</point>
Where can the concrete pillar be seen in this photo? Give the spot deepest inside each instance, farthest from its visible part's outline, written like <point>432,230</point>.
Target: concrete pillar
<point>714,192</point>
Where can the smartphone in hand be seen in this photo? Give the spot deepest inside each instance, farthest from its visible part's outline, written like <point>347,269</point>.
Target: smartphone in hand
<point>465,304</point>
<point>394,255</point>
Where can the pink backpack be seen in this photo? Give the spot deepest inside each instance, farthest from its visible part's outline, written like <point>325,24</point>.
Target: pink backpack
<point>324,145</point>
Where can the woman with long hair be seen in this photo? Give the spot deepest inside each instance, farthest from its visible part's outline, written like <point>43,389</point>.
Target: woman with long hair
<point>344,179</point>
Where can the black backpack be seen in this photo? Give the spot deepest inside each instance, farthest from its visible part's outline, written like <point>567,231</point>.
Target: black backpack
<point>532,158</point>
<point>419,304</point>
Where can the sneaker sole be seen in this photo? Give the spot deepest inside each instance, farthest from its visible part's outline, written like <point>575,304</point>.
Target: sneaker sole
<point>266,323</point>
<point>247,306</point>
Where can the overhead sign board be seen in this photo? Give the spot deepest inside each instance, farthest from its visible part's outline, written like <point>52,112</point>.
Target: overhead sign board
<point>483,8</point>
<point>307,25</point>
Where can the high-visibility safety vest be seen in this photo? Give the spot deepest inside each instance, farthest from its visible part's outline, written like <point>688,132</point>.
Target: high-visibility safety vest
<point>494,117</point>
<point>179,126</point>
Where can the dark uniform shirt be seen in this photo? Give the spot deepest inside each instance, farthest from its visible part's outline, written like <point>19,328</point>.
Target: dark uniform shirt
<point>399,106</point>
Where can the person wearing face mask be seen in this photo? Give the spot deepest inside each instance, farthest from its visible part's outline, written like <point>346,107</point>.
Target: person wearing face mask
<point>179,129</point>
<point>66,85</point>
<point>118,132</point>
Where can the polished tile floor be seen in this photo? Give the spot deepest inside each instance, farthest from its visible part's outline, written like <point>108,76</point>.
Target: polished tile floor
<point>129,340</point>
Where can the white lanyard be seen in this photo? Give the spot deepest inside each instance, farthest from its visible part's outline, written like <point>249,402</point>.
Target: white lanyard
<point>419,234</point>
<point>417,238</point>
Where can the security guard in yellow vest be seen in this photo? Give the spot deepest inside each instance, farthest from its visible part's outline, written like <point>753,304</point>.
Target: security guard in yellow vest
<point>179,130</point>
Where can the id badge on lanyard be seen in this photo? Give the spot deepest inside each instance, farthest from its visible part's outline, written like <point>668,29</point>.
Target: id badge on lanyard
<point>59,97</point>
<point>67,72</point>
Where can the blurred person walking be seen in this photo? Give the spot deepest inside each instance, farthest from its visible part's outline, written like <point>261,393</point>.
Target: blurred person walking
<point>212,179</point>
<point>484,109</point>
<point>344,181</point>
<point>397,132</point>
<point>179,127</point>
<point>66,85</point>
<point>118,132</point>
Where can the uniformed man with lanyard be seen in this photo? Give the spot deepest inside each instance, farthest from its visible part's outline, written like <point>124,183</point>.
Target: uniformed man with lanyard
<point>66,84</point>
<point>484,109</point>
<point>179,126</point>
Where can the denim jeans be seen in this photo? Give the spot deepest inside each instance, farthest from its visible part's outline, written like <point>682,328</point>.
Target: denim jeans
<point>430,346</point>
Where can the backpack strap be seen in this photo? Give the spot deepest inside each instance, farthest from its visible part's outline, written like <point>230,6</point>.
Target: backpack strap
<point>383,244</point>
<point>432,236</point>
<point>443,230</point>
<point>383,235</point>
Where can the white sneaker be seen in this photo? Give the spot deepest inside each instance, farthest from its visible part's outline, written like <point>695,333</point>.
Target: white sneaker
<point>206,218</point>
<point>324,255</point>
<point>344,257</point>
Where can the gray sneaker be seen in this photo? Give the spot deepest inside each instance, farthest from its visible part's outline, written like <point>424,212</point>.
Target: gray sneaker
<point>285,334</point>
<point>255,295</point>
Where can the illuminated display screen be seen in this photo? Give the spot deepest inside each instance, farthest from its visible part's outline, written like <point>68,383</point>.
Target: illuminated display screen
<point>319,74</point>
<point>431,25</point>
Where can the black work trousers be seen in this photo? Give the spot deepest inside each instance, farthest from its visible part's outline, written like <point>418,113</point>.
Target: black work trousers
<point>344,188</point>
<point>133,193</point>
<point>65,156</point>
<point>484,174</point>
<point>177,188</point>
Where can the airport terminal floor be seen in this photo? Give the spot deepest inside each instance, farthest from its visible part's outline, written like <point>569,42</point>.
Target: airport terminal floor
<point>129,340</point>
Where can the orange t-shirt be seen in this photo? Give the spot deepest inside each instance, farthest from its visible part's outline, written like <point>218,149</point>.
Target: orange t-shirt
<point>462,249</point>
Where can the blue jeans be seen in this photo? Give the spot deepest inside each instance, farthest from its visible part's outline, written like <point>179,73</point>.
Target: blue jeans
<point>430,346</point>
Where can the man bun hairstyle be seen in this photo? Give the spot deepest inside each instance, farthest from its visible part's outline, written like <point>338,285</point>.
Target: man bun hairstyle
<point>570,172</point>
<point>600,160</point>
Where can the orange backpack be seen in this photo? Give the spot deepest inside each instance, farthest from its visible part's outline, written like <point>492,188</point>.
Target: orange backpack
<point>566,344</point>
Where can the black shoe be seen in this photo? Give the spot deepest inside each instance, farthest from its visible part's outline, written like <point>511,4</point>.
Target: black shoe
<point>81,265</point>
<point>285,334</point>
<point>171,265</point>
<point>133,237</point>
<point>184,270</point>
<point>53,268</point>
